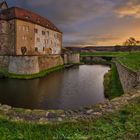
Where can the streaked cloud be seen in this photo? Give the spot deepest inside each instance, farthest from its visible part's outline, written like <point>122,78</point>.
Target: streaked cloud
<point>131,8</point>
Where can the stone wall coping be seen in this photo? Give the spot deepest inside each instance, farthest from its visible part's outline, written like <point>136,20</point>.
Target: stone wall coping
<point>50,116</point>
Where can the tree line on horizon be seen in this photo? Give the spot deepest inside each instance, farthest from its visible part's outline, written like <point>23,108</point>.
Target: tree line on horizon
<point>130,43</point>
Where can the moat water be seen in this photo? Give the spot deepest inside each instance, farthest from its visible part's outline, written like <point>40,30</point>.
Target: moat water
<point>67,89</point>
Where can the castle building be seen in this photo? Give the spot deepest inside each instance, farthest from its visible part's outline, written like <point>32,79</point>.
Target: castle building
<point>23,32</point>
<point>29,44</point>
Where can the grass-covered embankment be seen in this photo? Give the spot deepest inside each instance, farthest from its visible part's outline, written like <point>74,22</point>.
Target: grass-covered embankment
<point>107,54</point>
<point>123,124</point>
<point>129,59</point>
<point>112,84</point>
<point>31,76</point>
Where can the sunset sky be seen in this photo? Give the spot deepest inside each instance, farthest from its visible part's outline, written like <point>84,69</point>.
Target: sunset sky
<point>89,22</point>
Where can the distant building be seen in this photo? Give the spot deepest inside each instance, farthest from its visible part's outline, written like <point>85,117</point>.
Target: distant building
<point>23,32</point>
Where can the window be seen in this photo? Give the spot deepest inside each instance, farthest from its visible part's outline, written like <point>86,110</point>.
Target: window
<point>24,28</point>
<point>36,49</point>
<point>55,36</point>
<point>27,28</point>
<point>48,33</point>
<point>38,39</point>
<point>24,37</point>
<point>43,32</point>
<point>36,30</point>
<point>27,17</point>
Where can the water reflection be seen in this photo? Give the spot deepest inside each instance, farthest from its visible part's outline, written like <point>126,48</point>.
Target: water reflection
<point>67,89</point>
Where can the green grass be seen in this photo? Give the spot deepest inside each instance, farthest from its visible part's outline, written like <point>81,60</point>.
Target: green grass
<point>132,61</point>
<point>122,125</point>
<point>31,76</point>
<point>112,84</point>
<point>129,59</point>
<point>108,54</point>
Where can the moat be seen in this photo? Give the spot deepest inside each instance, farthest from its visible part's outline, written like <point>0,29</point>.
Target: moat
<point>67,89</point>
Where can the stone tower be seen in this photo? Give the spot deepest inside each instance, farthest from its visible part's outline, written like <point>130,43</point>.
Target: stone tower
<point>4,30</point>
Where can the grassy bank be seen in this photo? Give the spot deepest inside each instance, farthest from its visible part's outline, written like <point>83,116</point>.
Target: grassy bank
<point>112,84</point>
<point>132,61</point>
<point>129,59</point>
<point>121,125</point>
<point>31,76</point>
<point>108,54</point>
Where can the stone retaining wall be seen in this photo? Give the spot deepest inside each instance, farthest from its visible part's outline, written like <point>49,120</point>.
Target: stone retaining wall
<point>29,64</point>
<point>92,59</point>
<point>53,116</point>
<point>46,62</point>
<point>23,65</point>
<point>73,58</point>
<point>129,79</point>
<point>4,62</point>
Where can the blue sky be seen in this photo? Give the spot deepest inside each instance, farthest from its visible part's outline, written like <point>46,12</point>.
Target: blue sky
<point>89,22</point>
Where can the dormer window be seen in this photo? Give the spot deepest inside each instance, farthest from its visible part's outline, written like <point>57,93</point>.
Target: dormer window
<point>27,17</point>
<point>38,20</point>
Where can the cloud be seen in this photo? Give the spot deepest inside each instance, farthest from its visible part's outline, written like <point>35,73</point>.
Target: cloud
<point>131,8</point>
<point>89,22</point>
<point>66,11</point>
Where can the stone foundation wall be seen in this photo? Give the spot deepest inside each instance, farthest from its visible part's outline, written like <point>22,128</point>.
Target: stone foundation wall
<point>46,62</point>
<point>29,64</point>
<point>4,62</point>
<point>23,65</point>
<point>129,79</point>
<point>73,58</point>
<point>92,59</point>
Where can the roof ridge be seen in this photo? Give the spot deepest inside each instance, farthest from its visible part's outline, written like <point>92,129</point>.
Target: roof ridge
<point>30,16</point>
<point>44,18</point>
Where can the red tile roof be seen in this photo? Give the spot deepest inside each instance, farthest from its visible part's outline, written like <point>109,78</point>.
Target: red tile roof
<point>22,14</point>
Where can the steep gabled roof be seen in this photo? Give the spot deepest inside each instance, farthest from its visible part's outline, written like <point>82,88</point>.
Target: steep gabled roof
<point>25,15</point>
<point>3,3</point>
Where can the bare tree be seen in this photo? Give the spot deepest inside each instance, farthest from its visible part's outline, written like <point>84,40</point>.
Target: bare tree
<point>130,43</point>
